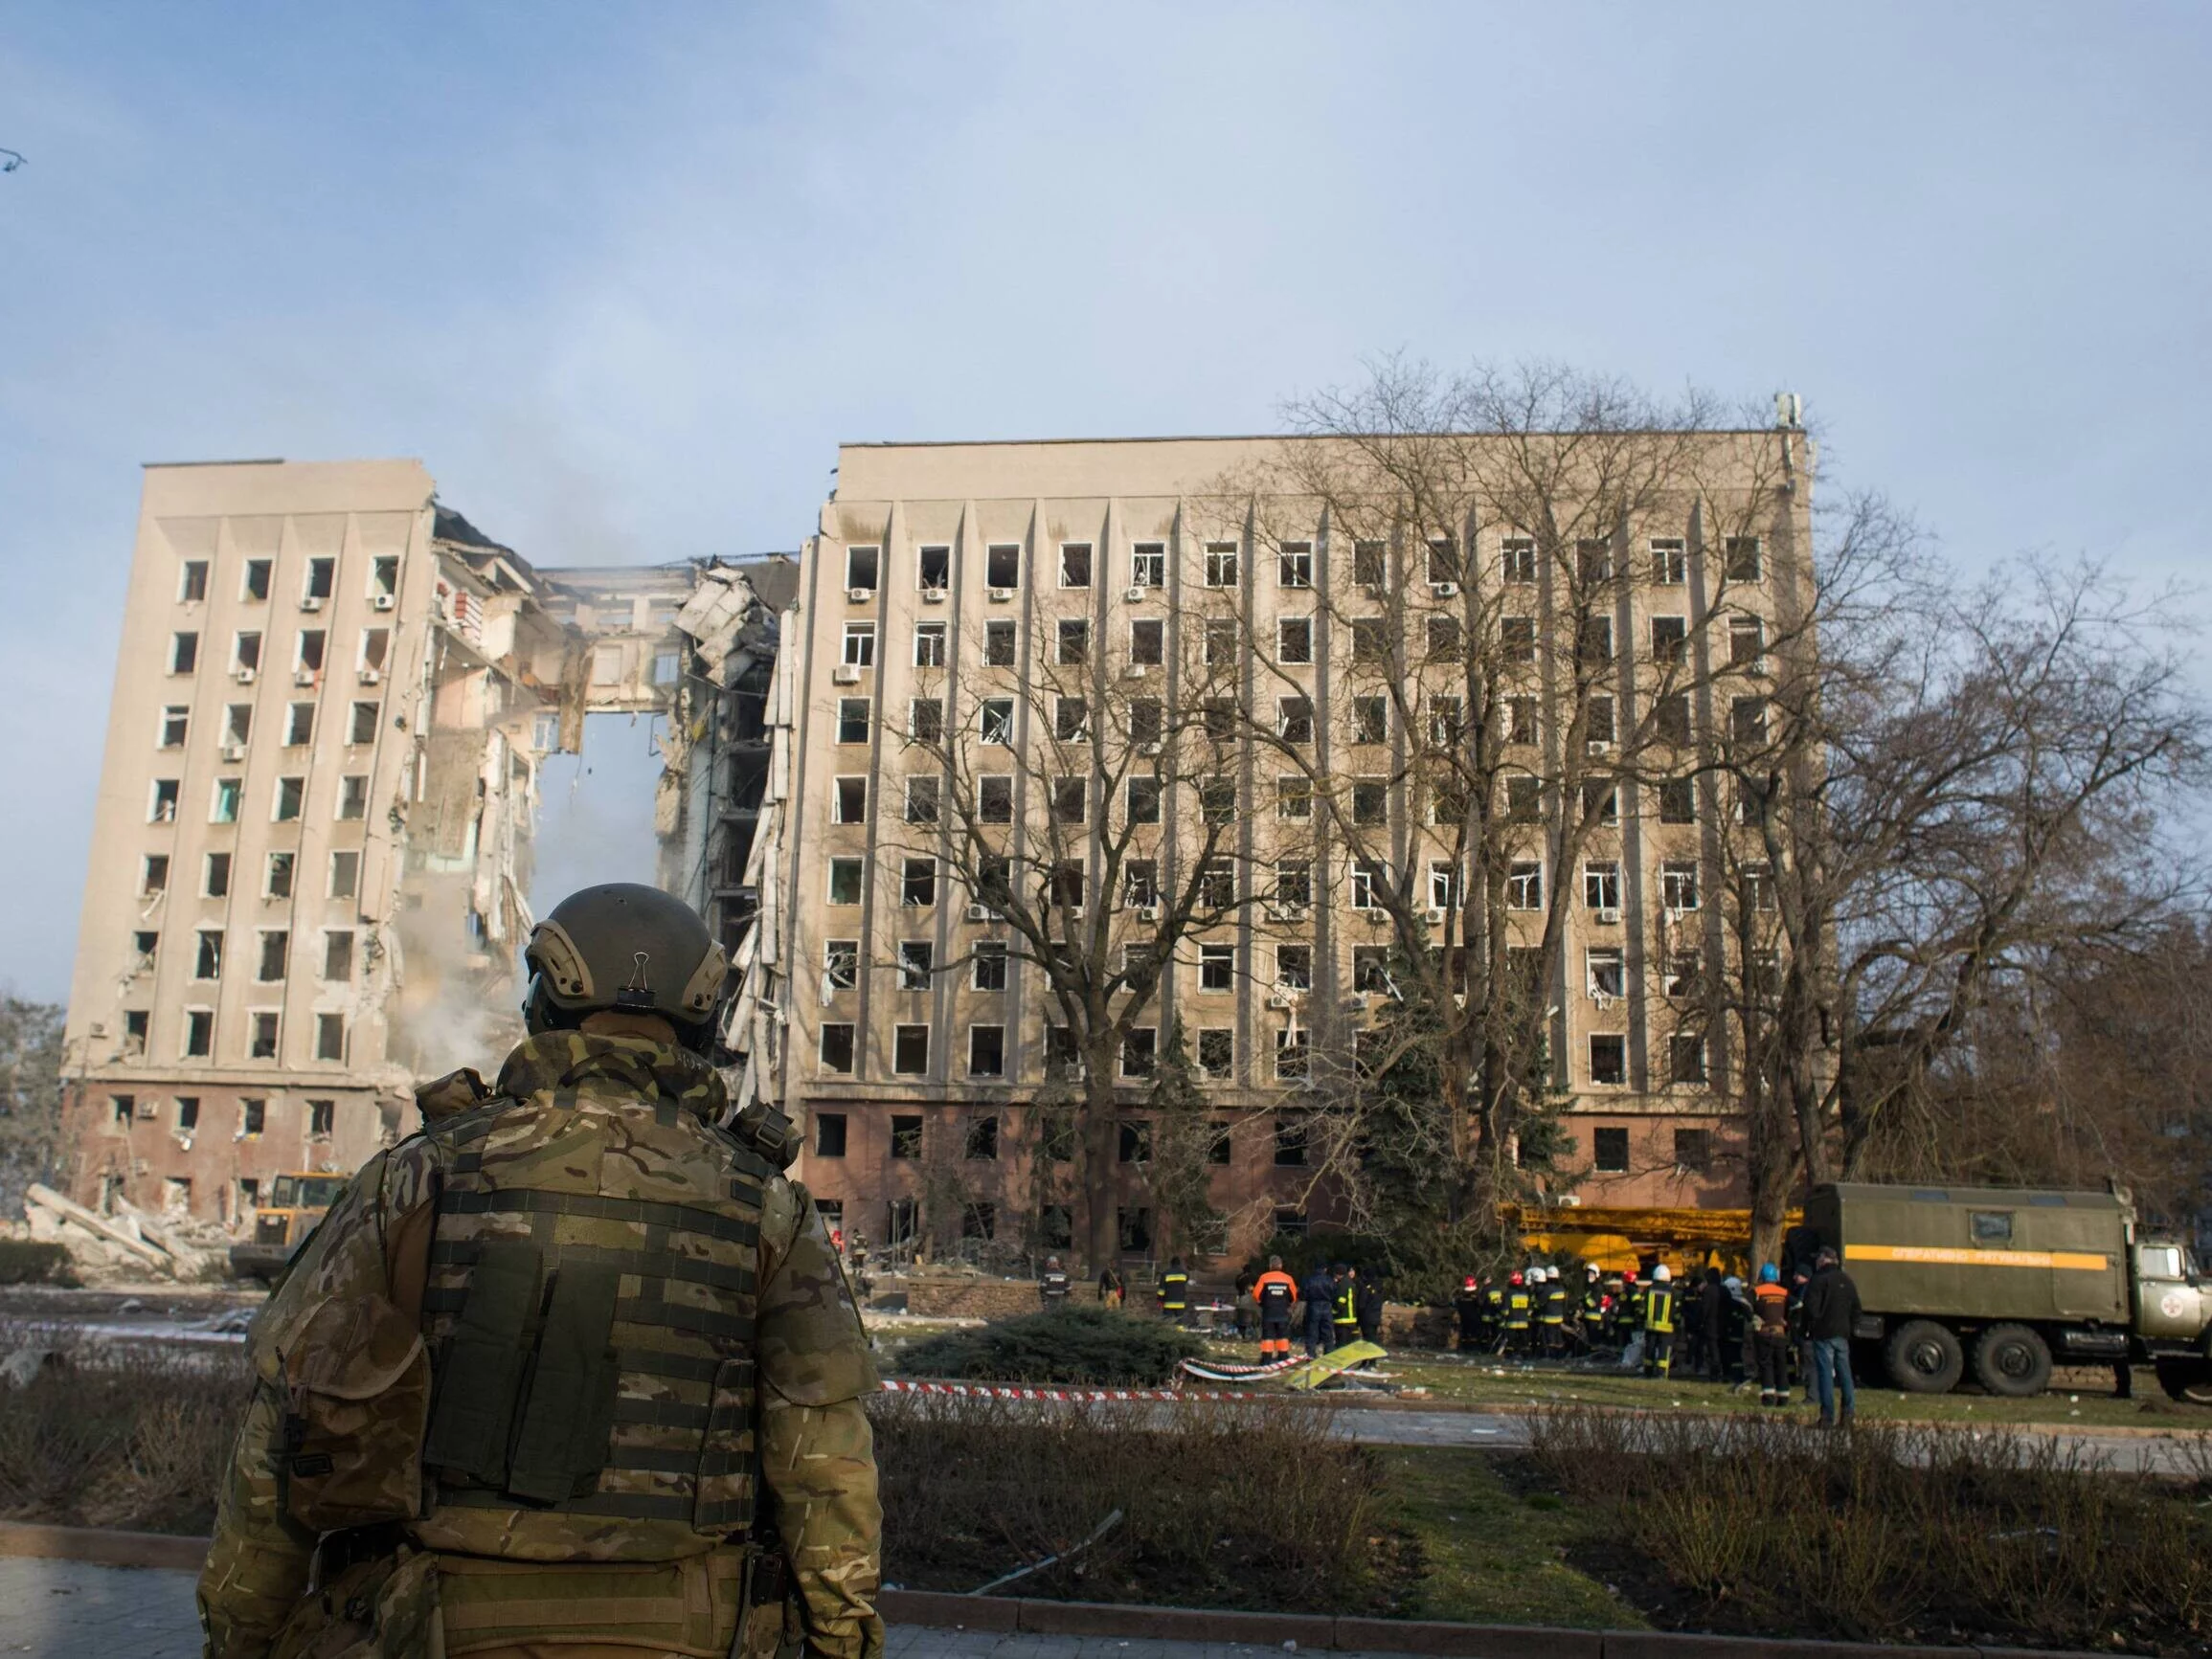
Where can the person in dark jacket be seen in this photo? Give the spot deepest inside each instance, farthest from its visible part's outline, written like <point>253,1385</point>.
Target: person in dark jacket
<point>1318,1293</point>
<point>1247,1310</point>
<point>1712,1328</point>
<point>1052,1285</point>
<point>1345,1280</point>
<point>1467,1307</point>
<point>1771,1336</point>
<point>1831,1310</point>
<point>1367,1309</point>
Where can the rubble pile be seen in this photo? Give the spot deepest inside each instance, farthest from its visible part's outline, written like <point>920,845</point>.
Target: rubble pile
<point>131,1244</point>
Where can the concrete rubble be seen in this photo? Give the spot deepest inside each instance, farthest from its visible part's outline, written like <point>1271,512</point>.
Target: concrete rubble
<point>128,1244</point>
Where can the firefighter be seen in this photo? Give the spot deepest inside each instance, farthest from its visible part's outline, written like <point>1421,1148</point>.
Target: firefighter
<point>1468,1307</point>
<point>1551,1313</point>
<point>1518,1308</point>
<point>1345,1290</point>
<point>1053,1283</point>
<point>1658,1315</point>
<point>1770,1336</point>
<point>1275,1291</point>
<point>1493,1313</point>
<point>1174,1291</point>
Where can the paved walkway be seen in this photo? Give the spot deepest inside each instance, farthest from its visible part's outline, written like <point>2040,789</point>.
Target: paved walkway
<point>71,1609</point>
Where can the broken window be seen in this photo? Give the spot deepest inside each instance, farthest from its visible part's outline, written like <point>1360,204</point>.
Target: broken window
<point>277,879</point>
<point>1517,561</point>
<point>208,959</point>
<point>1294,883</point>
<point>310,651</point>
<point>1671,718</point>
<point>338,956</point>
<point>161,808</point>
<point>1608,1059</point>
<point>860,644</point>
<point>1525,886</point>
<point>997,720</point>
<point>321,1116</point>
<point>829,1128</point>
<point>1759,887</point>
<point>995,798</point>
<point>848,804</point>
<point>384,576</point>
<point>925,720</point>
<point>1071,718</point>
<point>1694,1149</point>
<point>1143,800</point>
<point>246,654</point>
<point>1003,565</point>
<point>299,724</point>
<point>999,644</point>
<point>852,719</point>
<point>264,1044</point>
<point>1371,640</point>
<point>375,646</point>
<point>1294,640</point>
<point>214,876</point>
<point>986,1058</point>
<point>1293,967</point>
<point>184,653</point>
<point>1742,558</point>
<point>1074,641</point>
<point>1148,641</point>
<point>861,566</point>
<point>933,568</point>
<point>1146,720</point>
<point>1517,638</point>
<point>289,793</point>
<point>844,880</point>
<point>921,799</point>
<point>344,874</point>
<point>1369,880</point>
<point>1679,884</point>
<point>1746,642</point>
<point>1075,566</point>
<point>1444,636</point>
<point>1370,563</point>
<point>1443,559</point>
<point>1444,886</point>
<point>1139,1049</point>
<point>1140,883</point>
<point>254,588</point>
<point>253,1116</point>
<point>1686,1059</point>
<point>1601,801</point>
<point>1370,720</point>
<point>1678,800</point>
<point>1670,564</point>
<point>154,873</point>
<point>1670,640</point>
<point>353,797</point>
<point>1295,719</point>
<point>1148,565</point>
<point>1523,798</point>
<point>929,644</point>
<point>1593,641</point>
<point>1609,1151</point>
<point>199,1033</point>
<point>916,958</point>
<point>840,964</point>
<point>909,1050</point>
<point>1217,800</point>
<point>1220,719</point>
<point>1594,561</point>
<point>363,729</point>
<point>187,1112</point>
<point>238,723</point>
<point>1293,564</point>
<point>837,1047</point>
<point>1294,798</point>
<point>1292,1056</point>
<point>1371,801</point>
<point>1221,564</point>
<point>1601,884</point>
<point>918,882</point>
<point>1608,971</point>
<point>276,949</point>
<point>320,574</point>
<point>1222,642</point>
<point>175,720</point>
<point>987,970</point>
<point>225,810</point>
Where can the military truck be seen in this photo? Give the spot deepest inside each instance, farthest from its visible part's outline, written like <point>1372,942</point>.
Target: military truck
<point>297,1202</point>
<point>2009,1281</point>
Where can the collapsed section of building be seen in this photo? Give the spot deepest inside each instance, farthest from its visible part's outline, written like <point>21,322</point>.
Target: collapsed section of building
<point>310,864</point>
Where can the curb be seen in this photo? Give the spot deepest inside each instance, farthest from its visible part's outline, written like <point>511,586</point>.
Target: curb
<point>934,1609</point>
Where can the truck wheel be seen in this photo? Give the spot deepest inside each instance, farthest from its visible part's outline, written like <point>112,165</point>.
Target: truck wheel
<point>2012,1359</point>
<point>2188,1381</point>
<point>1925,1357</point>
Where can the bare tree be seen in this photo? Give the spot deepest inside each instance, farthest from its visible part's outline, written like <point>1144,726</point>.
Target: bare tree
<point>30,1096</point>
<point>1086,807</point>
<point>1468,549</point>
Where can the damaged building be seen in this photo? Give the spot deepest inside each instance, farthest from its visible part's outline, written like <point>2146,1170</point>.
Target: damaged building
<point>309,872</point>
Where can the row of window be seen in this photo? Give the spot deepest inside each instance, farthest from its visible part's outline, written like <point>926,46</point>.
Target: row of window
<point>1666,563</point>
<point>1222,641</point>
<point>237,728</point>
<point>310,649</point>
<point>263,1032</point>
<point>278,871</point>
<point>226,799</point>
<point>252,1119</point>
<point>317,579</point>
<point>273,956</point>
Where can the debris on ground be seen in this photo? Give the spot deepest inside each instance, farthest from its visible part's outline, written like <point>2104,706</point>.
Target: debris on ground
<point>124,1244</point>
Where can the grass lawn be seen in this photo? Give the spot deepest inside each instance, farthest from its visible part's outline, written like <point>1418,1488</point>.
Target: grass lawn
<point>1484,1555</point>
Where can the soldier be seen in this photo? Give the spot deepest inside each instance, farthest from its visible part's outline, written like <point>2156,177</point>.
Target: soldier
<point>571,1370</point>
<point>1053,1283</point>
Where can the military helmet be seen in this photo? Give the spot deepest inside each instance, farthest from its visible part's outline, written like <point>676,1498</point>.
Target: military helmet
<point>629,949</point>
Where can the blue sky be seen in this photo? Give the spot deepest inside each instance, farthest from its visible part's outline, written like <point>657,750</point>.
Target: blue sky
<point>623,278</point>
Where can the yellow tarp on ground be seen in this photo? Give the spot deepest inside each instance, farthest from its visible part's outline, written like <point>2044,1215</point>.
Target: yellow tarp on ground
<point>1316,1372</point>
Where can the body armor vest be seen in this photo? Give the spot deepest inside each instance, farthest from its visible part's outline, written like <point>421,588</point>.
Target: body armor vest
<point>590,1312</point>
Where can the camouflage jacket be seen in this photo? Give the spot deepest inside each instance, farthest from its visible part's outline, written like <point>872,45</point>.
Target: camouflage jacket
<point>815,1449</point>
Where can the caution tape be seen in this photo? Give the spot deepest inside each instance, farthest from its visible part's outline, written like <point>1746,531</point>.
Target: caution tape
<point>996,1391</point>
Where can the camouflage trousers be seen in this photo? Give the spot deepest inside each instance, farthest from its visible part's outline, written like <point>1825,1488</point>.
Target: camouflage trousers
<point>416,1604</point>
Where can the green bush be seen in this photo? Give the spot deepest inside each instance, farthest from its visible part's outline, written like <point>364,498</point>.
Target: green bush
<point>1100,1346</point>
<point>23,1263</point>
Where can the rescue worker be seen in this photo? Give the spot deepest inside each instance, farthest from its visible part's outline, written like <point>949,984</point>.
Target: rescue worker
<point>1735,1331</point>
<point>1344,1315</point>
<point>1712,1306</point>
<point>1275,1291</point>
<point>1247,1310</point>
<point>1318,1293</point>
<point>1112,1292</point>
<point>1657,1318</point>
<point>1551,1313</point>
<point>1052,1285</point>
<point>1367,1309</point>
<point>1770,1336</point>
<point>1621,1318</point>
<point>1174,1291</point>
<point>569,1369</point>
<point>1493,1314</point>
<point>1467,1308</point>
<point>1518,1310</point>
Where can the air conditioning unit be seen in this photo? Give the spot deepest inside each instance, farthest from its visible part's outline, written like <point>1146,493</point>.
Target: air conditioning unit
<point>1356,1002</point>
<point>1001,595</point>
<point>1280,1001</point>
<point>1136,595</point>
<point>845,674</point>
<point>1287,912</point>
<point>1073,912</point>
<point>933,596</point>
<point>371,676</point>
<point>246,676</point>
<point>1435,918</point>
<point>1445,590</point>
<point>150,1110</point>
<point>1148,912</point>
<point>982,913</point>
<point>302,677</point>
<point>1135,670</point>
<point>311,602</point>
<point>1376,590</point>
<point>233,751</point>
<point>1608,917</point>
<point>1598,745</point>
<point>382,601</point>
<point>860,595</point>
<point>1148,748</point>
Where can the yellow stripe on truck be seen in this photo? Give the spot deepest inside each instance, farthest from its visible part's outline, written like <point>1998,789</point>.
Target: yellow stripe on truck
<point>2079,1260</point>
